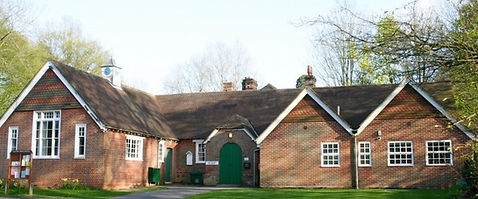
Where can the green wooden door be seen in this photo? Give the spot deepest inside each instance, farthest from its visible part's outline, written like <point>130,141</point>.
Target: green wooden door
<point>167,169</point>
<point>230,164</point>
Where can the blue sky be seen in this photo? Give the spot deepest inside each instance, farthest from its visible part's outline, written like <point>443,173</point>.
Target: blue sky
<point>150,38</point>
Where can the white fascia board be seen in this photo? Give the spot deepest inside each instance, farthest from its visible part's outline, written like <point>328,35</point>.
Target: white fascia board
<point>292,105</point>
<point>215,131</point>
<point>382,106</point>
<point>78,97</point>
<point>25,92</point>
<point>281,116</point>
<point>337,118</point>
<point>212,134</point>
<point>427,97</point>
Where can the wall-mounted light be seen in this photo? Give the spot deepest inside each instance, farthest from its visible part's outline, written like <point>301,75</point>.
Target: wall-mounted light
<point>379,135</point>
<point>229,135</point>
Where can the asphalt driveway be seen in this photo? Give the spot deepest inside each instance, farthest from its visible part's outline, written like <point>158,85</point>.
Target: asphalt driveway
<point>174,191</point>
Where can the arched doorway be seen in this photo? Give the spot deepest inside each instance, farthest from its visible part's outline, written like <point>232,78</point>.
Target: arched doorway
<point>230,164</point>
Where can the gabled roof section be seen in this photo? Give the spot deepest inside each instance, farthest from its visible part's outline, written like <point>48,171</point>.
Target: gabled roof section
<point>195,115</point>
<point>123,109</point>
<point>50,65</point>
<point>427,97</point>
<point>237,122</point>
<point>293,104</point>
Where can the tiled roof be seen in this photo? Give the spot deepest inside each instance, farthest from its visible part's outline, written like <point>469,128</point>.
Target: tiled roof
<point>195,115</point>
<point>124,109</point>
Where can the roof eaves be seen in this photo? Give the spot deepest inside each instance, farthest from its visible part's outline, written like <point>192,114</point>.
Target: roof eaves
<point>382,106</point>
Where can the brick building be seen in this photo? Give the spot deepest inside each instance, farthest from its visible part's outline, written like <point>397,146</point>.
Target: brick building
<point>107,135</point>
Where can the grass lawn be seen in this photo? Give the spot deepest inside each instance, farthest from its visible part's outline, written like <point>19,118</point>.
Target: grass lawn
<point>78,193</point>
<point>324,193</point>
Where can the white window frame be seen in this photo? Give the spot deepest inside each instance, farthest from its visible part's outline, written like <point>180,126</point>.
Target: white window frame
<point>77,141</point>
<point>10,137</point>
<point>360,153</point>
<point>330,154</point>
<point>427,152</point>
<point>389,153</point>
<point>161,150</point>
<point>189,158</point>
<point>39,116</point>
<point>139,147</point>
<point>199,142</point>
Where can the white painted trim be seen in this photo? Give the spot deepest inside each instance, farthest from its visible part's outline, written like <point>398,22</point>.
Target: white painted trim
<point>211,135</point>
<point>77,141</point>
<point>78,97</point>
<point>24,93</point>
<point>35,80</point>
<point>430,100</point>
<point>189,158</point>
<point>322,154</point>
<point>400,165</point>
<point>215,131</point>
<point>197,151</point>
<point>162,144</point>
<point>9,140</point>
<point>382,106</point>
<point>426,153</point>
<point>359,153</point>
<point>140,148</point>
<point>292,105</point>
<point>34,127</point>
<point>470,134</point>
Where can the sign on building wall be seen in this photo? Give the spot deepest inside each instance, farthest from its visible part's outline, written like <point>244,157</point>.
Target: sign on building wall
<point>212,162</point>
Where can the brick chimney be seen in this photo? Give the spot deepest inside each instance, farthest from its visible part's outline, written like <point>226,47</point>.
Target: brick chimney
<point>306,80</point>
<point>249,84</point>
<point>228,86</point>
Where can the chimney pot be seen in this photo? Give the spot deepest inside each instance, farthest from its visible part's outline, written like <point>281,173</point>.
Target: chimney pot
<point>249,84</point>
<point>228,86</point>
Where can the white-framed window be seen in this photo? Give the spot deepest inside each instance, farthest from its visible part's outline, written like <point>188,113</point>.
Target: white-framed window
<point>200,151</point>
<point>189,158</point>
<point>80,141</point>
<point>46,134</point>
<point>365,154</point>
<point>161,150</point>
<point>400,153</point>
<point>12,140</point>
<point>330,154</point>
<point>439,153</point>
<point>134,147</point>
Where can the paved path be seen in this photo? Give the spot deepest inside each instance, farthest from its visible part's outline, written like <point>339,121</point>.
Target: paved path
<point>174,191</point>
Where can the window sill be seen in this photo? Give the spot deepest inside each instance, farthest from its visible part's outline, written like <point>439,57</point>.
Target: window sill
<point>46,158</point>
<point>400,165</point>
<point>79,158</point>
<point>332,166</point>
<point>139,160</point>
<point>438,165</point>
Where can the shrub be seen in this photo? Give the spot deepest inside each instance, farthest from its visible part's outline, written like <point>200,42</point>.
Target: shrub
<point>70,183</point>
<point>470,173</point>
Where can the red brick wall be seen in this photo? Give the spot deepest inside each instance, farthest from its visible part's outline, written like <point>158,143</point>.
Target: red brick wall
<point>48,172</point>
<point>121,173</point>
<point>183,170</point>
<point>399,123</point>
<point>291,154</point>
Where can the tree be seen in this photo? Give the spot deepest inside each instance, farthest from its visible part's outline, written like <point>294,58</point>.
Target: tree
<point>413,45</point>
<point>207,72</point>
<point>19,58</point>
<point>71,47</point>
<point>334,53</point>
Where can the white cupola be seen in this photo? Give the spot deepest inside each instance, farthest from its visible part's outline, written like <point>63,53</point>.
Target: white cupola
<point>112,72</point>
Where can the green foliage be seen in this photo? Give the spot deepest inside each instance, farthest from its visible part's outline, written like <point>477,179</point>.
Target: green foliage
<point>325,193</point>
<point>70,183</point>
<point>21,58</point>
<point>470,173</point>
<point>70,47</point>
<point>464,71</point>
